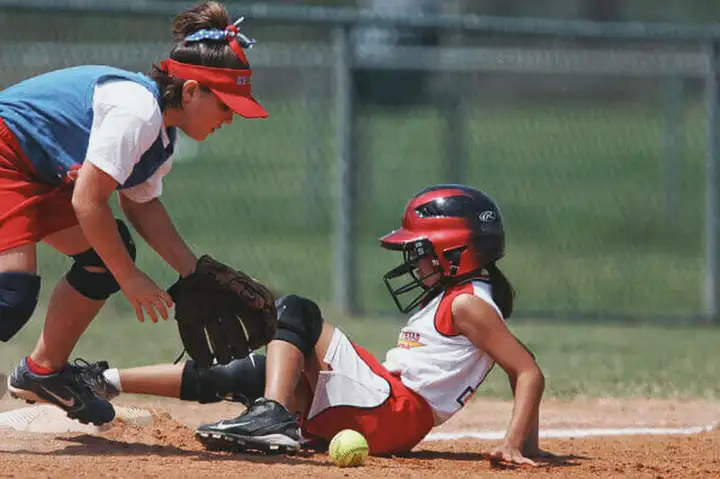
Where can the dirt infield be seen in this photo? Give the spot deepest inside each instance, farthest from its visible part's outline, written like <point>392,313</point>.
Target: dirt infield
<point>168,449</point>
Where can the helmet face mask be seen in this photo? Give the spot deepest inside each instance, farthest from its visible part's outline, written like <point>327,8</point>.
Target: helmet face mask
<point>458,228</point>
<point>410,276</point>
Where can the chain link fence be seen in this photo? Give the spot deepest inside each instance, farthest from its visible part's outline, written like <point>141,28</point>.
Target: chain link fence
<point>594,148</point>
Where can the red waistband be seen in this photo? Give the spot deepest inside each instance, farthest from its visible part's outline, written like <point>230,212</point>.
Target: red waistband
<point>5,133</point>
<point>11,142</point>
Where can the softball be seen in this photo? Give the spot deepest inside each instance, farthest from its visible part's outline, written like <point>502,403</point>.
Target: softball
<point>348,448</point>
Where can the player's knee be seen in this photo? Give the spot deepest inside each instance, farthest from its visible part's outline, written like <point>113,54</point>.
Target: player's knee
<point>299,322</point>
<point>243,379</point>
<point>90,277</point>
<point>18,299</point>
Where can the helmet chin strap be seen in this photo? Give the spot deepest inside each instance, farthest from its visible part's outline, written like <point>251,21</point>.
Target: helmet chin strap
<point>479,274</point>
<point>454,257</point>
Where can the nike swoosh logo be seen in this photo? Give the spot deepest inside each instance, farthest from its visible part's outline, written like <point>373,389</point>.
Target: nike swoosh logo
<point>223,426</point>
<point>67,402</point>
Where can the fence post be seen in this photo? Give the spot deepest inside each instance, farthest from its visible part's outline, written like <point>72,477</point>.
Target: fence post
<point>315,169</point>
<point>674,144</point>
<point>344,226</point>
<point>712,211</point>
<point>456,138</point>
<point>455,108</point>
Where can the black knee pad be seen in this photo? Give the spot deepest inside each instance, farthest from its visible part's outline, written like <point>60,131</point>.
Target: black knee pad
<point>299,322</point>
<point>92,284</point>
<point>18,299</point>
<point>242,379</point>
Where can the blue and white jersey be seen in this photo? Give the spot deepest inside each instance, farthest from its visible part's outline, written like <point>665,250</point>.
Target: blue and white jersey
<point>108,116</point>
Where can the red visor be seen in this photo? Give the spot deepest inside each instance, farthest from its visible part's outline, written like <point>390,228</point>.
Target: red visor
<point>231,86</point>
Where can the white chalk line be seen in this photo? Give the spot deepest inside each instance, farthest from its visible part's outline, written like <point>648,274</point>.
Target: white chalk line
<point>575,433</point>
<point>29,415</point>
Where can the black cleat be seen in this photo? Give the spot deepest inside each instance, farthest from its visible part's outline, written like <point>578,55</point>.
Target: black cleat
<point>265,426</point>
<point>64,390</point>
<point>91,374</point>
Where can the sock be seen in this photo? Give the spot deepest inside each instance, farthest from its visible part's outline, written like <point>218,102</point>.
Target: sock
<point>113,377</point>
<point>35,368</point>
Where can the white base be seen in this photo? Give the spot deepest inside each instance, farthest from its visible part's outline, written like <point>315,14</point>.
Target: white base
<point>45,418</point>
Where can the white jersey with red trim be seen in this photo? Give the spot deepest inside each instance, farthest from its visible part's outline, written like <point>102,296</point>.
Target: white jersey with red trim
<point>435,360</point>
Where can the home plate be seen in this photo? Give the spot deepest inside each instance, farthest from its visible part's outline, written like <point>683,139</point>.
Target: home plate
<point>45,418</point>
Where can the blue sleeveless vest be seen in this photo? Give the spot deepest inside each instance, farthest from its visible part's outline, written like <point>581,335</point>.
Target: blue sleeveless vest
<point>51,115</point>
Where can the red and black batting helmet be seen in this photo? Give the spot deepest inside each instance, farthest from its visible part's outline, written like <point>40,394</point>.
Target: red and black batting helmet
<point>459,227</point>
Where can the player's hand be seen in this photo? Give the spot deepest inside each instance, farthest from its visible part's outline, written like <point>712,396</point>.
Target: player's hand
<point>510,455</point>
<point>146,297</point>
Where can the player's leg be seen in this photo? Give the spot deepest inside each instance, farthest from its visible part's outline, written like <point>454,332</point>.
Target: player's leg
<point>70,310</point>
<point>19,289</point>
<point>284,370</point>
<point>31,211</point>
<point>351,389</point>
<point>19,283</point>
<point>300,333</point>
<point>300,346</point>
<point>165,380</point>
<point>299,324</point>
<point>241,380</point>
<point>75,302</point>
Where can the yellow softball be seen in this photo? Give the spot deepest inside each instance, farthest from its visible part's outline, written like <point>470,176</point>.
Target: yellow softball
<point>348,448</point>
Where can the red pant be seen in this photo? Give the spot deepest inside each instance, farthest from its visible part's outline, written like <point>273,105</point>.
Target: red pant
<point>396,425</point>
<point>29,210</point>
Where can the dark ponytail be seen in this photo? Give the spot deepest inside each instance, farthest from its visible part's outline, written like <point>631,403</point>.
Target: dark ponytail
<point>211,53</point>
<point>503,293</point>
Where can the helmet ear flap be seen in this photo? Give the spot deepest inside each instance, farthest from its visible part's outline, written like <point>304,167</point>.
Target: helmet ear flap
<point>453,257</point>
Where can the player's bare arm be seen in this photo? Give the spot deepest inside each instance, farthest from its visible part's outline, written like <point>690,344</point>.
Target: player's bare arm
<point>152,222</point>
<point>90,201</point>
<point>481,324</point>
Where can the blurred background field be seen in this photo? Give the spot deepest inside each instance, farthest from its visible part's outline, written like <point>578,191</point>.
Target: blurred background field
<point>594,144</point>
<point>579,360</point>
<point>580,188</point>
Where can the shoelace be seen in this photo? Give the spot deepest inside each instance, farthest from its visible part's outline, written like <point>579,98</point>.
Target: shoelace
<point>91,372</point>
<point>94,367</point>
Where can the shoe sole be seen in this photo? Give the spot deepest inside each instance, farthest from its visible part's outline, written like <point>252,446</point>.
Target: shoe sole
<point>225,441</point>
<point>32,398</point>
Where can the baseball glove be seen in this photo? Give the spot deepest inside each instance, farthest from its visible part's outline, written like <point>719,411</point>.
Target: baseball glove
<point>222,314</point>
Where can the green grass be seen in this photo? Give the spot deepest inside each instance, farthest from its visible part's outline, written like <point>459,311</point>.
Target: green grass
<point>579,360</point>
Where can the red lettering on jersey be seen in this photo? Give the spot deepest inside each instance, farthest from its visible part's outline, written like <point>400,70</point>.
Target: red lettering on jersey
<point>411,336</point>
<point>409,340</point>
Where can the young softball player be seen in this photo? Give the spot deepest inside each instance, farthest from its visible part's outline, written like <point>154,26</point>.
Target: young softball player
<point>451,238</point>
<point>68,140</point>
